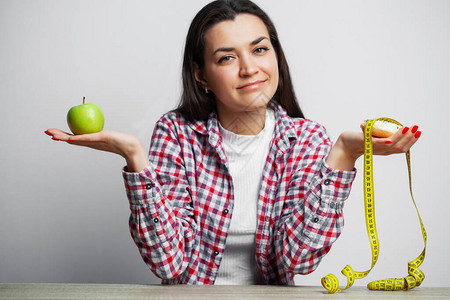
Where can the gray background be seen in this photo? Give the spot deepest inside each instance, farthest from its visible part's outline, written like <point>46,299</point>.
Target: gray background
<point>63,209</point>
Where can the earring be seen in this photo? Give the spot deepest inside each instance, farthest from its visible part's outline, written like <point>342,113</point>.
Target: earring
<point>206,90</point>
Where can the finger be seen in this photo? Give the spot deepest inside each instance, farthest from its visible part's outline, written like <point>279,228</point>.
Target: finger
<point>383,146</point>
<point>57,134</point>
<point>403,140</point>
<point>53,131</point>
<point>398,135</point>
<point>412,140</point>
<point>408,137</point>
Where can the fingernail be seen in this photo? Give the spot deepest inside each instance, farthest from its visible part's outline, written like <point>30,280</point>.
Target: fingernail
<point>69,141</point>
<point>55,139</point>
<point>388,142</point>
<point>47,133</point>
<point>405,130</point>
<point>414,129</point>
<point>417,135</point>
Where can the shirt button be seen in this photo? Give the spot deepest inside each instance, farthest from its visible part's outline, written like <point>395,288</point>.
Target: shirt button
<point>155,220</point>
<point>148,186</point>
<point>316,220</point>
<point>327,182</point>
<point>216,252</point>
<point>225,211</point>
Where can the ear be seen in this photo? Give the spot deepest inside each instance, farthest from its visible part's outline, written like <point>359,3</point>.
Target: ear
<point>198,73</point>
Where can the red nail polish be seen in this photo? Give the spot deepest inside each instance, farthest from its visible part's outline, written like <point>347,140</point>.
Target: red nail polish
<point>47,133</point>
<point>405,130</point>
<point>55,139</point>
<point>417,135</point>
<point>388,142</point>
<point>414,129</point>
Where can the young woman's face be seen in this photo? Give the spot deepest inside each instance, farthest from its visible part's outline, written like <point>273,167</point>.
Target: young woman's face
<point>241,65</point>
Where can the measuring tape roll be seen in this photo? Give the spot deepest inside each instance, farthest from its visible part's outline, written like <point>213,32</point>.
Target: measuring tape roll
<point>415,275</point>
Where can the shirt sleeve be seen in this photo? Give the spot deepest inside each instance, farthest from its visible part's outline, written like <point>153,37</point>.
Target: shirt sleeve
<point>312,217</point>
<point>161,220</point>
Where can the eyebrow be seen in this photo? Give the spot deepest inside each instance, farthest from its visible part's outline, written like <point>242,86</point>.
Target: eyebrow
<point>229,49</point>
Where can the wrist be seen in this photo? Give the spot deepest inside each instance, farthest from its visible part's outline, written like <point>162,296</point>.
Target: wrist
<point>344,154</point>
<point>136,158</point>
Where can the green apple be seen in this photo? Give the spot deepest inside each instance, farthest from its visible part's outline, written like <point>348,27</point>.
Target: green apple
<point>85,118</point>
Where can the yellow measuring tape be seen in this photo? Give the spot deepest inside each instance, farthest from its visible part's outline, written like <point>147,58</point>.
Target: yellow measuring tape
<point>415,275</point>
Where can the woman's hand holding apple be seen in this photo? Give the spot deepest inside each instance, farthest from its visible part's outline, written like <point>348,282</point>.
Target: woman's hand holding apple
<point>126,145</point>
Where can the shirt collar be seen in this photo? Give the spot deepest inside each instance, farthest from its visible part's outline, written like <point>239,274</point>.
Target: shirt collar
<point>285,131</point>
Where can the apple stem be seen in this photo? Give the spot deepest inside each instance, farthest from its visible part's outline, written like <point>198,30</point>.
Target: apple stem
<point>83,99</point>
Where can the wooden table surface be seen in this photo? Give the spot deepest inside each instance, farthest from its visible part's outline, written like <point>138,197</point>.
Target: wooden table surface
<point>134,291</point>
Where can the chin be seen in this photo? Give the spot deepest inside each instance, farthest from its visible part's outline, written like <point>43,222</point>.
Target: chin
<point>257,100</point>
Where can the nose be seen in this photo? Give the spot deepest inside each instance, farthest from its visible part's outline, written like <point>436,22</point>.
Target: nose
<point>248,67</point>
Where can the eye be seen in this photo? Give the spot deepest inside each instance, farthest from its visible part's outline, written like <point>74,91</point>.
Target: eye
<point>261,50</point>
<point>225,59</point>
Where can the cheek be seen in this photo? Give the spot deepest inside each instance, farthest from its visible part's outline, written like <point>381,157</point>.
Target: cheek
<point>220,80</point>
<point>271,68</point>
<point>274,79</point>
<point>276,74</point>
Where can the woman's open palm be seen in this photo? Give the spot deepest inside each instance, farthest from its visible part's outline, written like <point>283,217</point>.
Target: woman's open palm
<point>121,143</point>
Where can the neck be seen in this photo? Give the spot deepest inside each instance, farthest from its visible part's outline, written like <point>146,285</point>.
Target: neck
<point>244,123</point>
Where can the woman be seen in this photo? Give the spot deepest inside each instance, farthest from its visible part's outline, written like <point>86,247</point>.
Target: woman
<point>237,188</point>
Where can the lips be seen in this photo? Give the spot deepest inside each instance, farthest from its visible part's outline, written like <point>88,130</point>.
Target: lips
<point>252,85</point>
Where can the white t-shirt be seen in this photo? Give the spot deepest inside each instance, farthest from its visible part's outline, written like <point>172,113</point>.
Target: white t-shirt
<point>246,155</point>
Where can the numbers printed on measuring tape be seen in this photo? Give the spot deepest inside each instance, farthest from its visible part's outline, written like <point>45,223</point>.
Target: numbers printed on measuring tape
<point>415,275</point>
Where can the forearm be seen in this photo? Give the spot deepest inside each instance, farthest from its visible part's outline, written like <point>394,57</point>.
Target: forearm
<point>165,257</point>
<point>160,226</point>
<point>316,220</point>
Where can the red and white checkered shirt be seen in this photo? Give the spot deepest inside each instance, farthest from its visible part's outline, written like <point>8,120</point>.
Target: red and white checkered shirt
<point>182,204</point>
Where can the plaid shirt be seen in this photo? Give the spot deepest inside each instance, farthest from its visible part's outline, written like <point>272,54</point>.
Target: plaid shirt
<point>182,204</point>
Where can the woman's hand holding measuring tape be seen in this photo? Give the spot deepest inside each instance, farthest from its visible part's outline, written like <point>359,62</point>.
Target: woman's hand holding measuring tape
<point>350,145</point>
<point>388,138</point>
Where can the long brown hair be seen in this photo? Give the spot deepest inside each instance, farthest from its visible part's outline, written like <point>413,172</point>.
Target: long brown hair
<point>195,104</point>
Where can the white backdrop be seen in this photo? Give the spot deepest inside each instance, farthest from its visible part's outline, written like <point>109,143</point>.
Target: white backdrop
<point>63,209</point>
